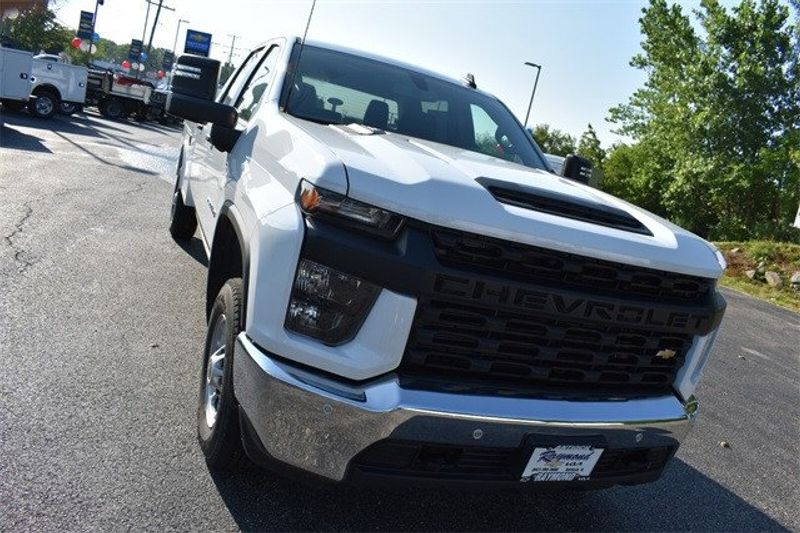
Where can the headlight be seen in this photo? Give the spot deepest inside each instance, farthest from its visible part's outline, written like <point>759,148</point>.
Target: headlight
<point>327,304</point>
<point>723,264</point>
<point>340,209</point>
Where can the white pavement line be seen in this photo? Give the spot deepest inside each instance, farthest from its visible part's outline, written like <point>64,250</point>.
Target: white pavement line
<point>756,353</point>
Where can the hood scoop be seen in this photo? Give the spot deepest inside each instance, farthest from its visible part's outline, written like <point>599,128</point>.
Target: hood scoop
<point>561,205</point>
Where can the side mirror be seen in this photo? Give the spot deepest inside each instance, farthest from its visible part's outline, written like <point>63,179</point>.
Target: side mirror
<point>194,85</point>
<point>577,168</point>
<point>223,138</point>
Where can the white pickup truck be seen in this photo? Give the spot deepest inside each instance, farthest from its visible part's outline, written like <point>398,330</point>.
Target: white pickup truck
<point>399,289</point>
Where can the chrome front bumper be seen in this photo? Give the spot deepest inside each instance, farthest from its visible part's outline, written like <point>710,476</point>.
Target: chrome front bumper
<point>319,424</point>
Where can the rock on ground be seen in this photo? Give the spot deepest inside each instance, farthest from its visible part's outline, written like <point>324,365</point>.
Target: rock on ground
<point>773,279</point>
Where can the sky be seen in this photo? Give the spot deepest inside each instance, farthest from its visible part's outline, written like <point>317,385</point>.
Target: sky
<point>584,46</point>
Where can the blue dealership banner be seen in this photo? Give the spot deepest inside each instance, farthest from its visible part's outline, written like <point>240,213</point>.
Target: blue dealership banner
<point>197,43</point>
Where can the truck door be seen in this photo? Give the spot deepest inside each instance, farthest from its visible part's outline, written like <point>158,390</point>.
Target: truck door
<point>203,183</point>
<point>223,166</point>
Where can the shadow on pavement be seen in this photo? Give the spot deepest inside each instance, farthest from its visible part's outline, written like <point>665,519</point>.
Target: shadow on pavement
<point>103,160</point>
<point>684,499</point>
<point>57,123</point>
<point>16,140</point>
<point>195,249</point>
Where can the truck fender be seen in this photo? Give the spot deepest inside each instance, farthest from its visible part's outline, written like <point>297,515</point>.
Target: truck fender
<point>230,257</point>
<point>46,87</point>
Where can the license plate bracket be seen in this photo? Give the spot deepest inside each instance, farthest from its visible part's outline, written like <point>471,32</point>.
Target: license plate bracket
<point>563,462</point>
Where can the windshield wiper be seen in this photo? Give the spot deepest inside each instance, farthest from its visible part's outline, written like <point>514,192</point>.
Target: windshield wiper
<point>310,118</point>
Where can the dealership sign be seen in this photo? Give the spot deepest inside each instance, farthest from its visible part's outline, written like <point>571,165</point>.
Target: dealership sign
<point>169,59</point>
<point>197,43</point>
<point>135,52</point>
<point>86,25</point>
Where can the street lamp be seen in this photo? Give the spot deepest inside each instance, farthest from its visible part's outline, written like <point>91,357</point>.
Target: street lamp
<point>533,93</point>
<point>177,32</point>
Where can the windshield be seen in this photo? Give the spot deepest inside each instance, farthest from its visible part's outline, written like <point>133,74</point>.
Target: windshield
<point>338,88</point>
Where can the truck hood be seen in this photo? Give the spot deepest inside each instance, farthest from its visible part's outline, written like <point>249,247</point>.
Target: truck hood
<point>447,186</point>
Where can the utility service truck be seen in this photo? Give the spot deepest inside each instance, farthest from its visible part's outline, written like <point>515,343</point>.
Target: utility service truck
<point>44,84</point>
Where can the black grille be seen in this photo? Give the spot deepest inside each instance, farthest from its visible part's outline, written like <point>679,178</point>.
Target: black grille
<point>529,263</point>
<point>595,213</point>
<point>481,463</point>
<point>483,343</point>
<point>522,320</point>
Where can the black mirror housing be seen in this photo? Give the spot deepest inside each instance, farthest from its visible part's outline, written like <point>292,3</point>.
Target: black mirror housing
<point>195,76</point>
<point>192,92</point>
<point>201,111</point>
<point>577,168</point>
<point>223,138</point>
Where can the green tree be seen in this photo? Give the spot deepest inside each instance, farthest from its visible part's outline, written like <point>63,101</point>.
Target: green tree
<point>717,117</point>
<point>36,30</point>
<point>225,72</point>
<point>590,148</point>
<point>554,141</point>
<point>632,172</point>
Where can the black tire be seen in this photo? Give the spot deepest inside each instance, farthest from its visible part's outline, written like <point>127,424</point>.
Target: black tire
<point>14,105</point>
<point>182,218</point>
<point>221,441</point>
<point>112,108</point>
<point>69,108</point>
<point>45,104</point>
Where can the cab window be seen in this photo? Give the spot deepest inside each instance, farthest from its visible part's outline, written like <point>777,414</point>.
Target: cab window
<point>240,77</point>
<point>257,86</point>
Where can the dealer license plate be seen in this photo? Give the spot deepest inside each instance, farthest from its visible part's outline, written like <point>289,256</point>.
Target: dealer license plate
<point>561,463</point>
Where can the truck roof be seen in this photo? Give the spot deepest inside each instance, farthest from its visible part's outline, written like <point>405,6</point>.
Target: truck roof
<point>382,59</point>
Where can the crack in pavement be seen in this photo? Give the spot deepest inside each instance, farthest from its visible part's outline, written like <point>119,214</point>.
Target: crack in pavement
<point>139,187</point>
<point>19,252</point>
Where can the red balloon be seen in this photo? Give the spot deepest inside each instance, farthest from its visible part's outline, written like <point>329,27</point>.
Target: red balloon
<point>75,42</point>
<point>126,64</point>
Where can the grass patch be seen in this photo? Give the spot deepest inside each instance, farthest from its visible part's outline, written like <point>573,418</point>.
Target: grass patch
<point>780,257</point>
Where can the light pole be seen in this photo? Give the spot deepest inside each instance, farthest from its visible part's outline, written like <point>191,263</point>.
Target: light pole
<point>533,93</point>
<point>177,33</point>
<point>175,45</point>
<point>233,44</point>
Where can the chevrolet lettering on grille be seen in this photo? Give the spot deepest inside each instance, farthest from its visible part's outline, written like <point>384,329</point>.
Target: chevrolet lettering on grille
<point>559,304</point>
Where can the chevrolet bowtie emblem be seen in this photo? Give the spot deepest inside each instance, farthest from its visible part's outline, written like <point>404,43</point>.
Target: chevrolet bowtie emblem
<point>666,354</point>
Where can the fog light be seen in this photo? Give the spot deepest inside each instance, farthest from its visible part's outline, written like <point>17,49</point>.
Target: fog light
<point>327,304</point>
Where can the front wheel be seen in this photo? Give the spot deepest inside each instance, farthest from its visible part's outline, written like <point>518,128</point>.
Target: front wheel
<point>217,411</point>
<point>44,105</point>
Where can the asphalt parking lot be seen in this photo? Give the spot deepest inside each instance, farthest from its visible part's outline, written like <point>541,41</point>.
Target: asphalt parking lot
<point>101,327</point>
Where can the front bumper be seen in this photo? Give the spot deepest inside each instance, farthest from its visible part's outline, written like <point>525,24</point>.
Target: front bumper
<point>321,425</point>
